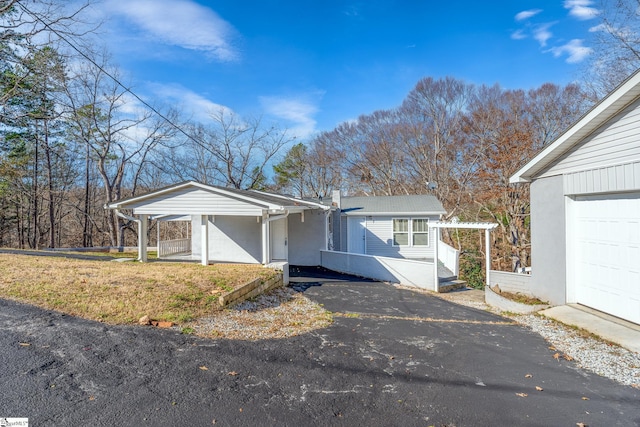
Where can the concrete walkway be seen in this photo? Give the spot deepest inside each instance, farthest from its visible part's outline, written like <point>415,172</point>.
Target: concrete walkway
<point>623,333</point>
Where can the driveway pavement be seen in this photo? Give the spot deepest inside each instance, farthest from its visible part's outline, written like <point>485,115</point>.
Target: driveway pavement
<point>392,357</point>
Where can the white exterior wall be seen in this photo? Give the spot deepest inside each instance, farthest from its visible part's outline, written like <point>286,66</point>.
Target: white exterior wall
<point>379,239</point>
<point>231,239</point>
<point>190,201</point>
<point>548,240</point>
<point>306,239</point>
<point>611,179</point>
<point>614,143</point>
<point>395,270</point>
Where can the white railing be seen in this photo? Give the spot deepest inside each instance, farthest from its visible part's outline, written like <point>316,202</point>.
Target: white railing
<point>449,256</point>
<point>173,247</point>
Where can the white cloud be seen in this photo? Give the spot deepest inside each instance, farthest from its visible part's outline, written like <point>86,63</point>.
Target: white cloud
<point>192,104</point>
<point>518,35</point>
<point>574,50</point>
<point>182,23</point>
<point>541,33</point>
<point>526,14</point>
<point>297,112</point>
<point>581,9</point>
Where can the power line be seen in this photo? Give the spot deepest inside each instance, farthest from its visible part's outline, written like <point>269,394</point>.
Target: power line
<point>111,76</point>
<point>118,82</point>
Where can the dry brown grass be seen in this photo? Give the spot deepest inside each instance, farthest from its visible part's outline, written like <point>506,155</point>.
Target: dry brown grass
<point>119,293</point>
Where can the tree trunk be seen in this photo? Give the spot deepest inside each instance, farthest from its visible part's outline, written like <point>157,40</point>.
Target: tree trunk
<point>52,218</point>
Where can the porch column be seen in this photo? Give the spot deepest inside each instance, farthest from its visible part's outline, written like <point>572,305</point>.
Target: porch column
<point>204,239</point>
<point>487,254</point>
<point>143,226</point>
<point>265,238</point>
<point>158,238</point>
<point>436,283</point>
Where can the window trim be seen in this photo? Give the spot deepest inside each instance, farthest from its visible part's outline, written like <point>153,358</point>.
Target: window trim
<point>410,233</point>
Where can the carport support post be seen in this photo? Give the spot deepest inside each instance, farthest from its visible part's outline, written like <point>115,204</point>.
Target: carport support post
<point>265,238</point>
<point>204,239</point>
<point>436,279</point>
<point>142,238</point>
<point>487,255</point>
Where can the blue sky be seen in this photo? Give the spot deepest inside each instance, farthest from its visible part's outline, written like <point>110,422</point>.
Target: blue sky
<point>309,64</point>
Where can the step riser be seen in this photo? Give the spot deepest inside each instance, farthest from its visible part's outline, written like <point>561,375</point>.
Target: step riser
<point>451,286</point>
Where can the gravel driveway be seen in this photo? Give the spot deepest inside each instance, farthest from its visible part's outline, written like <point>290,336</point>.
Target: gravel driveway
<point>392,357</point>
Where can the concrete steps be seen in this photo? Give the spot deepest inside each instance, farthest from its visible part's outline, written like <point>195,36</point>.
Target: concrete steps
<point>448,285</point>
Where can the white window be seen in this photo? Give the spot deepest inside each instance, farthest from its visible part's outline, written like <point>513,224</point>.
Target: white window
<point>410,232</point>
<point>400,232</point>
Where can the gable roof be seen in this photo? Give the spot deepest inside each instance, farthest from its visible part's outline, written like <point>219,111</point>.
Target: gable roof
<point>260,199</point>
<point>612,104</point>
<point>392,205</point>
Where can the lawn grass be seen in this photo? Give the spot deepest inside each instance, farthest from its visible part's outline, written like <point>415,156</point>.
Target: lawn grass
<point>121,293</point>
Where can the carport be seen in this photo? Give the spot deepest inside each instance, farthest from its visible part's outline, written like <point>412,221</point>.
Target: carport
<point>232,225</point>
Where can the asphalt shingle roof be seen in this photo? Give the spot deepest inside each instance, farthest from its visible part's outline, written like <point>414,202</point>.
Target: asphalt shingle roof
<point>408,204</point>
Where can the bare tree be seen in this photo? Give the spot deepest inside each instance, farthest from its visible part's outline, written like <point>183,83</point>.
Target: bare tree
<point>616,53</point>
<point>118,135</point>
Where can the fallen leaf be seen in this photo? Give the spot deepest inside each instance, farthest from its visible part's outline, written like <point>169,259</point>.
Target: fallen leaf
<point>92,398</point>
<point>240,409</point>
<point>585,398</point>
<point>552,348</point>
<point>25,344</point>
<point>233,374</point>
<point>528,376</point>
<point>567,357</point>
<point>522,394</point>
<point>556,356</point>
<point>538,388</point>
<point>204,368</point>
<point>581,425</point>
<point>213,421</point>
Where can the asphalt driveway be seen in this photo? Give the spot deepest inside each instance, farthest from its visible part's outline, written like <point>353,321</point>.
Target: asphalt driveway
<point>392,357</point>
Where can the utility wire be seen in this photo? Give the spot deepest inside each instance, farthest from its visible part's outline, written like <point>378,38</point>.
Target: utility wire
<point>115,79</point>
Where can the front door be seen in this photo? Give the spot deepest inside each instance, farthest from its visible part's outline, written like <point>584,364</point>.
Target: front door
<point>279,243</point>
<point>357,226</point>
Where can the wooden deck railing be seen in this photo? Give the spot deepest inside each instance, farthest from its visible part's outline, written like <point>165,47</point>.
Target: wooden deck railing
<point>173,247</point>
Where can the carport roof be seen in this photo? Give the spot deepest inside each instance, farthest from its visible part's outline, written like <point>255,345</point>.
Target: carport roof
<point>392,205</point>
<point>266,200</point>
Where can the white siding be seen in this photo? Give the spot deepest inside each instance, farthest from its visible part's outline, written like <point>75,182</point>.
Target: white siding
<point>616,142</point>
<point>625,177</point>
<point>190,200</point>
<point>231,239</point>
<point>379,240</point>
<point>306,239</point>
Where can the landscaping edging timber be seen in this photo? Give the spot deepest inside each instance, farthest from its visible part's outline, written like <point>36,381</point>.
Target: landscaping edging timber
<point>250,290</point>
<point>495,300</point>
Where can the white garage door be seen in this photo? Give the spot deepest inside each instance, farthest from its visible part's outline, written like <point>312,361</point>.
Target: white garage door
<point>607,254</point>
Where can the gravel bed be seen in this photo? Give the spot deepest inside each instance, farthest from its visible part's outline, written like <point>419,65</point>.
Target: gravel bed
<point>602,358</point>
<point>280,313</point>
